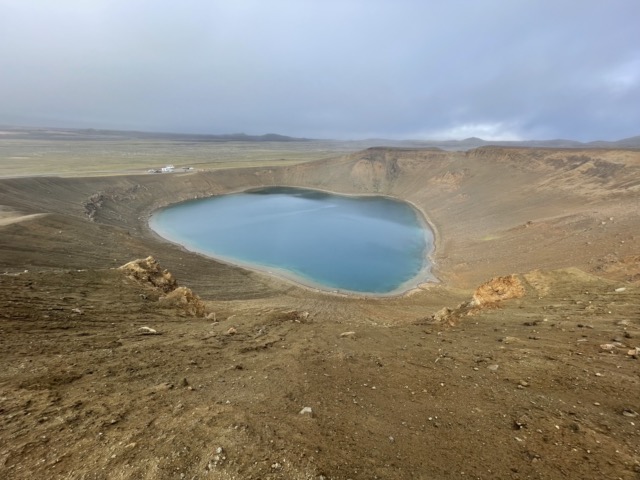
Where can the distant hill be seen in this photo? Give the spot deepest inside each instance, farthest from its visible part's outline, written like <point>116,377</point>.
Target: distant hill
<point>25,133</point>
<point>475,142</point>
<point>631,142</point>
<point>98,134</point>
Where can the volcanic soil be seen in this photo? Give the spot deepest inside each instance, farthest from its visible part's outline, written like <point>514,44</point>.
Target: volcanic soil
<point>520,363</point>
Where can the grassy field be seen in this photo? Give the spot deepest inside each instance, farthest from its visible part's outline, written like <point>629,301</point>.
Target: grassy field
<point>80,157</point>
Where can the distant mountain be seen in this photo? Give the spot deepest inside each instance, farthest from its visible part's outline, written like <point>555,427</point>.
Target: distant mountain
<point>475,142</point>
<point>26,133</point>
<point>631,142</point>
<point>99,134</point>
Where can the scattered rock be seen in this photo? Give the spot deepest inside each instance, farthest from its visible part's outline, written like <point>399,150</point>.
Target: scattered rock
<point>306,411</point>
<point>498,289</point>
<point>627,412</point>
<point>184,299</point>
<point>493,367</point>
<point>445,316</point>
<point>521,422</point>
<point>621,289</point>
<point>634,352</point>
<point>148,331</point>
<point>297,316</point>
<point>607,347</point>
<point>147,270</point>
<point>508,340</point>
<point>76,310</point>
<point>217,460</point>
<point>347,334</point>
<point>162,387</point>
<point>232,331</point>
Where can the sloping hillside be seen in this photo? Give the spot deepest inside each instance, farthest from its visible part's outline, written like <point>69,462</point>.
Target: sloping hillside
<point>105,374</point>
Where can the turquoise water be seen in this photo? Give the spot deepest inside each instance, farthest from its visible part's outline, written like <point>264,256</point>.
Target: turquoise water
<point>366,244</point>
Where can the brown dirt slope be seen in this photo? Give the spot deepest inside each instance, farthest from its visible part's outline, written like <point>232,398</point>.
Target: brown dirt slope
<point>522,391</point>
<point>541,383</point>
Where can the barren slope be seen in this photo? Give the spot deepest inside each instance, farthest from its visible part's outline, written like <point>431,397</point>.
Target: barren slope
<point>542,386</point>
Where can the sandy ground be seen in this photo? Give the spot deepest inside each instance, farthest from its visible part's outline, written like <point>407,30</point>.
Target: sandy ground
<point>278,381</point>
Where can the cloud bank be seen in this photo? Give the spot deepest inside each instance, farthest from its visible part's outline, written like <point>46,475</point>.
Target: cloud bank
<point>330,69</point>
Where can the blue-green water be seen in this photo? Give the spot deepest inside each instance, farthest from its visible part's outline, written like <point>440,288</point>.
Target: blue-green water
<point>366,244</point>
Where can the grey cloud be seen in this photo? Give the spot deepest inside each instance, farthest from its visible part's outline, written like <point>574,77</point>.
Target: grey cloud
<point>345,69</point>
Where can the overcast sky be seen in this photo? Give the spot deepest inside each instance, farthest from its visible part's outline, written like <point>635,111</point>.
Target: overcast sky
<point>424,69</point>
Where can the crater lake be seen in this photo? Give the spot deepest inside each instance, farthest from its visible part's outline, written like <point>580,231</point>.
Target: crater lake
<point>362,244</point>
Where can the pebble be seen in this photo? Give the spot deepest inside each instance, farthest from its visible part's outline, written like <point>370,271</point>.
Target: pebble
<point>306,411</point>
<point>232,331</point>
<point>147,331</point>
<point>493,368</point>
<point>607,347</point>
<point>621,289</point>
<point>521,422</point>
<point>508,340</point>
<point>627,412</point>
<point>217,460</point>
<point>347,334</point>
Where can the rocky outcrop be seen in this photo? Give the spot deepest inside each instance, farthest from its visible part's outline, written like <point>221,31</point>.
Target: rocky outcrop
<point>182,298</point>
<point>148,271</point>
<point>496,290</point>
<point>487,295</point>
<point>92,205</point>
<point>97,201</point>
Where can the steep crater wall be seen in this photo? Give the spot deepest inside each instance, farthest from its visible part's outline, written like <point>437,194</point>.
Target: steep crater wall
<point>495,211</point>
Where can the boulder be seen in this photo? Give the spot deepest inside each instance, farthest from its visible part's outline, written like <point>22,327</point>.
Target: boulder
<point>147,270</point>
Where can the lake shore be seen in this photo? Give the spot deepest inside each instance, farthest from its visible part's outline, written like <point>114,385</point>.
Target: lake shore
<point>417,281</point>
